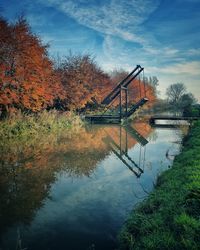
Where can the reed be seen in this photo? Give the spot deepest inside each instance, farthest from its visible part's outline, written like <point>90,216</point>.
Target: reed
<point>21,125</point>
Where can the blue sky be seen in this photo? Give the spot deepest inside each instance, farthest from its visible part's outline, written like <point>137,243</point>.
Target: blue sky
<point>163,36</point>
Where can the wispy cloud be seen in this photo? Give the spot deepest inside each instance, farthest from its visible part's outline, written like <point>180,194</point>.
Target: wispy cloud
<point>184,68</point>
<point>141,32</point>
<point>189,68</point>
<point>166,51</point>
<point>122,19</point>
<point>114,17</point>
<point>193,52</point>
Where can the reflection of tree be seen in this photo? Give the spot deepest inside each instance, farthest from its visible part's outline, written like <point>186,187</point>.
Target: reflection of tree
<point>78,164</point>
<point>143,128</point>
<point>28,168</point>
<point>22,191</point>
<point>27,171</point>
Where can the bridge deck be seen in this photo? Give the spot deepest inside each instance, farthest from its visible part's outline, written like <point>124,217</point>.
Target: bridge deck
<point>172,118</point>
<point>116,118</point>
<point>103,119</point>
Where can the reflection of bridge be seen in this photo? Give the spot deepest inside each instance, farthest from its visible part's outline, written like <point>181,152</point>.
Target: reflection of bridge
<point>117,92</point>
<point>120,149</point>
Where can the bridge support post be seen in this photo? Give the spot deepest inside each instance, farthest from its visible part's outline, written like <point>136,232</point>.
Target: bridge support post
<point>126,91</point>
<point>151,121</point>
<point>126,100</point>
<point>120,103</point>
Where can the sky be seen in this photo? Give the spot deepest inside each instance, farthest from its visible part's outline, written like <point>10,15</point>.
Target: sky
<point>163,36</point>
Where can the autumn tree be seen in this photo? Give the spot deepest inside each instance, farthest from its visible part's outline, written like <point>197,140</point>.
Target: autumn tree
<point>27,79</point>
<point>138,88</point>
<point>8,93</point>
<point>30,82</point>
<point>85,83</point>
<point>117,75</point>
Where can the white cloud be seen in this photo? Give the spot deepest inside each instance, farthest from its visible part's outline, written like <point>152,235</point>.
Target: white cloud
<point>184,68</point>
<point>186,72</point>
<point>191,83</point>
<point>193,52</point>
<point>120,18</point>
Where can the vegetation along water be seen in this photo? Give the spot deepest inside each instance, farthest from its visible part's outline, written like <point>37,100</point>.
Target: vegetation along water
<point>170,217</point>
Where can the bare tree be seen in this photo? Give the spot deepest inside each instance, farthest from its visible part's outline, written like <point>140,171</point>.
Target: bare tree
<point>174,93</point>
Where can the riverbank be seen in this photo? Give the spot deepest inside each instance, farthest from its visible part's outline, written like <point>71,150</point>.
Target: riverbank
<point>37,130</point>
<point>170,217</point>
<point>20,125</point>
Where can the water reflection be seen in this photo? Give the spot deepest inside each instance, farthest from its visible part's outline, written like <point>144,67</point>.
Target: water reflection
<point>121,149</point>
<point>76,190</point>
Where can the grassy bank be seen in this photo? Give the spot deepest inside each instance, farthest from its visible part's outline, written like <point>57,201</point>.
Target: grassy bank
<point>19,125</point>
<point>170,217</point>
<point>33,129</point>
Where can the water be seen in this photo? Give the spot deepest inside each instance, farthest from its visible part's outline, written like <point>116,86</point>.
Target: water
<point>75,191</point>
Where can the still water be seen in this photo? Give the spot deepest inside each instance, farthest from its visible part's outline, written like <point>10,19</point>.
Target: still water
<point>76,191</point>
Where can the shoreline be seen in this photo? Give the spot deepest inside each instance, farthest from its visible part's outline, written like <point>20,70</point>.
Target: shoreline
<point>43,123</point>
<point>170,216</point>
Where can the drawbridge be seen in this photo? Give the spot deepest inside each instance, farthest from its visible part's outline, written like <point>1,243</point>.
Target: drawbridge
<point>124,111</point>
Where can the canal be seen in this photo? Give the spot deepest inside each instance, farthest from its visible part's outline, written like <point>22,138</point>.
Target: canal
<point>75,191</point>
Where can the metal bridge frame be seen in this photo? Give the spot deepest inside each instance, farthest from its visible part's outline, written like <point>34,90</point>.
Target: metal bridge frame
<point>118,92</point>
<point>121,102</point>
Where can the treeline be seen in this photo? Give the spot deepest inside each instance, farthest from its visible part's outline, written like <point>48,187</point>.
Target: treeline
<point>30,81</point>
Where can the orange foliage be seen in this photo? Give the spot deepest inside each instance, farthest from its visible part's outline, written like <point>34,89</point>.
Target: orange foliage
<point>137,89</point>
<point>29,82</point>
<point>27,79</point>
<point>85,83</point>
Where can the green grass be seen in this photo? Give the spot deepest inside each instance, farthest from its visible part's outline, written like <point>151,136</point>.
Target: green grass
<point>170,217</point>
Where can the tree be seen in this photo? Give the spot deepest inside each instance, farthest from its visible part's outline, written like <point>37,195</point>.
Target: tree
<point>8,93</point>
<point>152,81</point>
<point>84,82</point>
<point>187,100</point>
<point>27,79</point>
<point>118,75</point>
<point>186,104</point>
<point>179,97</point>
<point>174,93</point>
<point>138,88</point>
